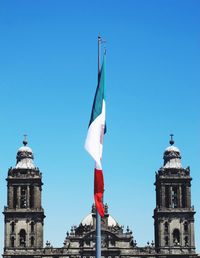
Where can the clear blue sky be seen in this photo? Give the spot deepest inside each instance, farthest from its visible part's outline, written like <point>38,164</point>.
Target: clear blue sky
<point>48,75</point>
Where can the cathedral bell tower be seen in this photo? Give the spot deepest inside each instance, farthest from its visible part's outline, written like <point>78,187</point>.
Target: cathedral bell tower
<point>174,215</point>
<point>23,214</point>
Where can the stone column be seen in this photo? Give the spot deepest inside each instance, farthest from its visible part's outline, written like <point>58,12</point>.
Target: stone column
<point>28,197</point>
<point>39,234</point>
<point>160,233</point>
<point>191,236</point>
<point>184,198</point>
<point>7,235</point>
<point>27,233</point>
<point>18,196</point>
<point>179,196</point>
<point>10,196</point>
<point>163,204</point>
<point>188,194</point>
<point>169,233</point>
<point>181,233</point>
<point>158,196</point>
<point>170,197</point>
<point>37,196</point>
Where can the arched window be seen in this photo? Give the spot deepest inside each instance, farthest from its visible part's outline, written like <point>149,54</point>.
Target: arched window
<point>166,227</point>
<point>166,241</point>
<point>31,200</point>
<point>22,238</point>
<point>23,203</point>
<point>176,237</point>
<point>174,197</point>
<point>87,242</point>
<point>185,227</point>
<point>186,241</point>
<point>32,226</point>
<point>167,196</point>
<point>14,197</point>
<point>32,241</point>
<point>12,227</point>
<point>12,241</point>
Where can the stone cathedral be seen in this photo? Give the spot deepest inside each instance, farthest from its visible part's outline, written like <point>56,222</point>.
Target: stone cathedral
<point>173,217</point>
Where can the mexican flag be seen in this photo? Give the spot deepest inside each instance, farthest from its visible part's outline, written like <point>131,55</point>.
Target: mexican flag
<point>94,139</point>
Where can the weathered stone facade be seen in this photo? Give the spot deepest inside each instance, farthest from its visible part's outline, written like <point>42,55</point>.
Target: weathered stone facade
<point>173,217</point>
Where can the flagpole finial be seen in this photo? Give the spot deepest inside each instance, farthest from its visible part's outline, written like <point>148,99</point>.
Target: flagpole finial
<point>99,39</point>
<point>172,139</point>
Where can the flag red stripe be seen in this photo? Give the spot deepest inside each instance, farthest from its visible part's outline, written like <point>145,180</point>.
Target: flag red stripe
<point>98,191</point>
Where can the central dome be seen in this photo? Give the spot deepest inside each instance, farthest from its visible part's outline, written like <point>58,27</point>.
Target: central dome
<point>89,221</point>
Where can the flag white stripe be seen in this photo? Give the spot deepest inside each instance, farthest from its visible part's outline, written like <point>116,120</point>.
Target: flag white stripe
<point>94,139</point>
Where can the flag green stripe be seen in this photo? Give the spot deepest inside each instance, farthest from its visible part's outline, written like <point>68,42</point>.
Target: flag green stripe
<point>99,96</point>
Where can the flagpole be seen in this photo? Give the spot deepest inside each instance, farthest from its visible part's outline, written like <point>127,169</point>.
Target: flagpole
<point>98,217</point>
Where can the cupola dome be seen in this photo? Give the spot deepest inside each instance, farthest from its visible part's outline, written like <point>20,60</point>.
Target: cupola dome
<point>89,219</point>
<point>25,157</point>
<point>172,156</point>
